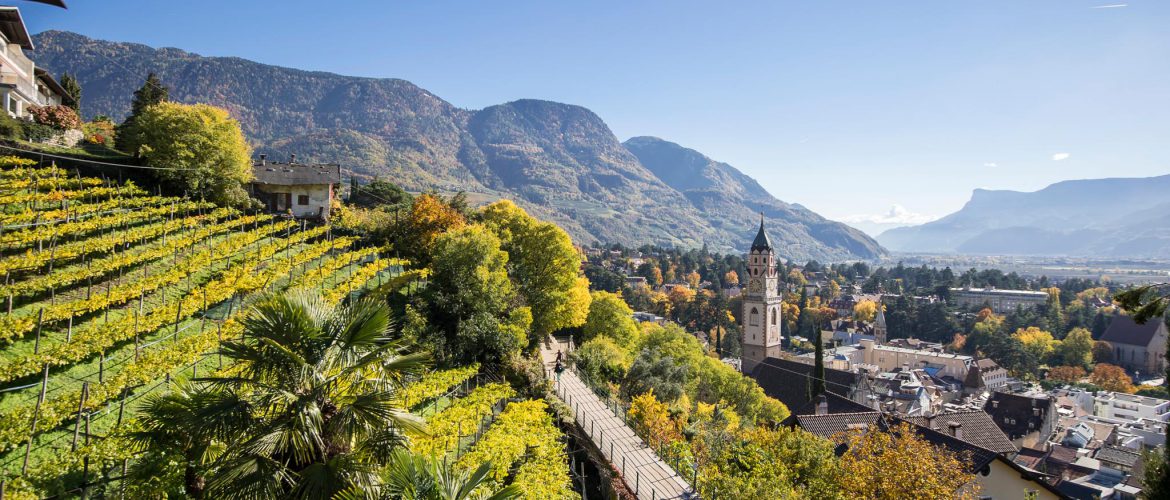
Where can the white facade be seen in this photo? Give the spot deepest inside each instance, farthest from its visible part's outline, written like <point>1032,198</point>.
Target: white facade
<point>1122,406</point>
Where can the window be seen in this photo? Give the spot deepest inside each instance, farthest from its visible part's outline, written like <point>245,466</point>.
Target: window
<point>302,199</point>
<point>775,314</point>
<point>754,317</point>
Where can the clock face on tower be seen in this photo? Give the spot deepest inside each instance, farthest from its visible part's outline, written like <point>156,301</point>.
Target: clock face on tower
<point>755,286</point>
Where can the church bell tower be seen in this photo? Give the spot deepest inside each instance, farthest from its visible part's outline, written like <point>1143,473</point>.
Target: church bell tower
<point>761,304</point>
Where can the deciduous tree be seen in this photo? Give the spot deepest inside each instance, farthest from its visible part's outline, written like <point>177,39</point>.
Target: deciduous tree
<point>196,148</point>
<point>1111,378</point>
<point>609,316</point>
<point>898,465</point>
<point>1066,374</point>
<point>865,310</point>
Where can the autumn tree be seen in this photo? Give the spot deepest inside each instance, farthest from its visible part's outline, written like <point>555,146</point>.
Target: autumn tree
<point>865,310</point>
<point>1066,374</point>
<point>1111,378</point>
<point>610,317</point>
<point>731,278</point>
<point>1037,342</point>
<point>1077,348</point>
<point>545,266</point>
<point>693,279</point>
<point>652,420</point>
<point>429,217</point>
<point>196,148</point>
<point>898,465</point>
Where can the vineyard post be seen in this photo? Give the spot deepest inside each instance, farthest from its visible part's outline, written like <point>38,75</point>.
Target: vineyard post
<point>36,415</point>
<point>178,314</point>
<point>109,284</point>
<point>52,250</point>
<point>219,352</point>
<point>136,334</point>
<point>80,407</point>
<point>101,367</point>
<point>37,343</point>
<point>7,280</point>
<point>121,407</point>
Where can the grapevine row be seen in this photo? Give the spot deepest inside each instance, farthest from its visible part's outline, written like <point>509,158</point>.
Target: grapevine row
<point>524,428</point>
<point>102,244</point>
<point>45,232</point>
<point>69,276</point>
<point>461,418</point>
<point>97,336</point>
<point>15,424</point>
<point>126,190</point>
<point>13,326</point>
<point>435,384</point>
<point>67,211</point>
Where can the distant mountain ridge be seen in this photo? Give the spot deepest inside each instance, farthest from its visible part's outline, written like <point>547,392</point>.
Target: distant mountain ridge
<point>560,161</point>
<point>1114,217</point>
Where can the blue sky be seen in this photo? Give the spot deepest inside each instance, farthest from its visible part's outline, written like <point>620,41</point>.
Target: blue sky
<point>848,108</point>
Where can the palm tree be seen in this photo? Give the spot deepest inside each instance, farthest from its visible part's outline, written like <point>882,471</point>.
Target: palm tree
<point>309,410</point>
<point>415,477</point>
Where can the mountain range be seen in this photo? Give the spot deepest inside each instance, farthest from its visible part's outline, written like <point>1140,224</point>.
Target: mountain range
<point>560,161</point>
<point>1115,218</point>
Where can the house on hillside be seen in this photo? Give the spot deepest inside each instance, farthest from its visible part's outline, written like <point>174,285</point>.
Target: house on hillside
<point>1138,347</point>
<point>304,190</point>
<point>22,84</point>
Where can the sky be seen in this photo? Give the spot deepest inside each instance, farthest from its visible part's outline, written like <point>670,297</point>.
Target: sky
<point>867,111</point>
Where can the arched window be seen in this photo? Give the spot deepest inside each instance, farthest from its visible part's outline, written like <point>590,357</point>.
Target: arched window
<point>754,317</point>
<point>775,314</point>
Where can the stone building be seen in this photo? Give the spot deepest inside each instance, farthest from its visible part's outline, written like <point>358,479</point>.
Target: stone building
<point>1138,347</point>
<point>761,303</point>
<point>302,189</point>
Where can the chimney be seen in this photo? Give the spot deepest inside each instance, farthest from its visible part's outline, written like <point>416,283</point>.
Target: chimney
<point>956,429</point>
<point>822,405</point>
<point>263,159</point>
<point>292,158</point>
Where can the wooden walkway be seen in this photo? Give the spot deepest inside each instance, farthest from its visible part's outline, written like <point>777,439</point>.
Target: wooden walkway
<point>643,471</point>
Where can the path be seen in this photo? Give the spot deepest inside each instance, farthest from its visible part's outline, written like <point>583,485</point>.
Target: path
<point>644,472</point>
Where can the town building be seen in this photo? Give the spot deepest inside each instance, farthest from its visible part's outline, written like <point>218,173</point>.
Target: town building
<point>936,363</point>
<point>761,303</point>
<point>1140,348</point>
<point>1000,301</point>
<point>304,190</point>
<point>1122,406</point>
<point>22,84</point>
<point>1028,420</point>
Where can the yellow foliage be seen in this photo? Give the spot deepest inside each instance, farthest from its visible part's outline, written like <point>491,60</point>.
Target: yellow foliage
<point>865,310</point>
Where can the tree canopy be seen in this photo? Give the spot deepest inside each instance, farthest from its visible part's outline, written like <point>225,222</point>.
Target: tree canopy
<point>196,148</point>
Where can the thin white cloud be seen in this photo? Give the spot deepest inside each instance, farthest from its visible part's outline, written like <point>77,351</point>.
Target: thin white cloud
<point>1060,156</point>
<point>896,215</point>
<point>991,164</point>
<point>1110,6</point>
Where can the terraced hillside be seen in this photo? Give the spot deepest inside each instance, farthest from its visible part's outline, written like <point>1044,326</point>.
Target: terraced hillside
<point>109,293</point>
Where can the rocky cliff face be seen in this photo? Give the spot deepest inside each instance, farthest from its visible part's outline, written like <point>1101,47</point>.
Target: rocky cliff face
<point>558,160</point>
